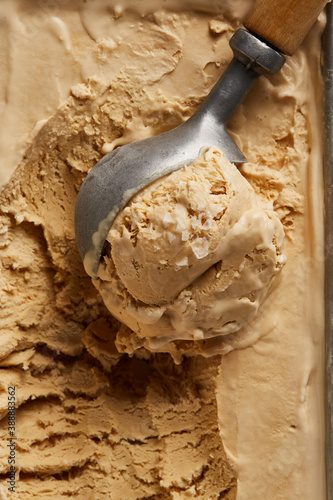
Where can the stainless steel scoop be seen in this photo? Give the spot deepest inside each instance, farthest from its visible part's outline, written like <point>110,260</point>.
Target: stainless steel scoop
<point>123,172</point>
<point>120,174</point>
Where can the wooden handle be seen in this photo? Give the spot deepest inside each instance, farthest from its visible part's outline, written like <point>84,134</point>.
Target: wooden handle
<point>283,23</point>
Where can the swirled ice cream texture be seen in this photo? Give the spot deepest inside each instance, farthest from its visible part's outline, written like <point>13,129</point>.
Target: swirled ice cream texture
<point>192,256</point>
<point>94,422</point>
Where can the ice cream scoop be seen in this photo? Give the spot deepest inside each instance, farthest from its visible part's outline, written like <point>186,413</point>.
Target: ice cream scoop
<point>191,257</point>
<point>278,27</point>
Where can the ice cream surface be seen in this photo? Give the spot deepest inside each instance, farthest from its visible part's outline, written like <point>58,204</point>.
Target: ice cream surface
<point>80,78</point>
<point>192,255</point>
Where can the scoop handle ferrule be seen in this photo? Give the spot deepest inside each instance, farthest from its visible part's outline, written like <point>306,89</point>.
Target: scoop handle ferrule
<point>252,58</point>
<point>283,23</point>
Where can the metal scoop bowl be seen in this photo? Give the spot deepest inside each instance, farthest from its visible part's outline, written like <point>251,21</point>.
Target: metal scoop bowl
<point>122,173</point>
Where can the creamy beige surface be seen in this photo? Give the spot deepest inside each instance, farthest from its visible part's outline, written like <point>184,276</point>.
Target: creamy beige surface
<point>36,35</point>
<point>192,256</point>
<point>92,422</point>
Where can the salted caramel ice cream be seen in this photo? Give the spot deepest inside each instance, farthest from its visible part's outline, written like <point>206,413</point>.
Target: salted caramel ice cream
<point>192,256</point>
<point>88,410</point>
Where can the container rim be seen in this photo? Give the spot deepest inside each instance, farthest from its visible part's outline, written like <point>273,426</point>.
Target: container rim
<point>328,204</point>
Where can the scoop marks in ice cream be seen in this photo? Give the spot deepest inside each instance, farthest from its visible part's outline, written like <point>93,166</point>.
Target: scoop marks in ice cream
<point>93,422</point>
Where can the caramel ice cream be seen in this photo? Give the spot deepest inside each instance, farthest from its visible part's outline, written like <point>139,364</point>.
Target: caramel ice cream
<point>192,256</point>
<point>96,414</point>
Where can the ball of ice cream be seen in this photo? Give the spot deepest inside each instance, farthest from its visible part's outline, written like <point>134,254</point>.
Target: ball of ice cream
<point>192,255</point>
<point>172,232</point>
